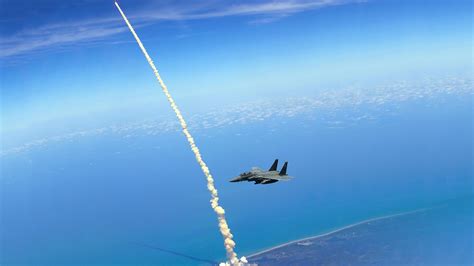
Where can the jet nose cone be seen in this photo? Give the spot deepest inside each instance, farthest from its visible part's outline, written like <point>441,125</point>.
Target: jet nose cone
<point>235,179</point>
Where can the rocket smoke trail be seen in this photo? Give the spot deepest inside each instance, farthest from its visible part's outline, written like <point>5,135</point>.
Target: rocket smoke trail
<point>224,228</point>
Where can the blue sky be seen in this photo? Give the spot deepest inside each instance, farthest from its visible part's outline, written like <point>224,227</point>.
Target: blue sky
<point>77,59</point>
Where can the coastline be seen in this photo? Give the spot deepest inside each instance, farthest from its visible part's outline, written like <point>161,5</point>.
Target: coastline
<point>337,230</point>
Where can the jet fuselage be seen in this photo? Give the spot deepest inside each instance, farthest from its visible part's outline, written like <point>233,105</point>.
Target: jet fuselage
<point>260,176</point>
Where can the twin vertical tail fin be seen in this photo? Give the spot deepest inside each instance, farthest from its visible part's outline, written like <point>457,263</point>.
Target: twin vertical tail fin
<point>283,169</point>
<point>274,166</point>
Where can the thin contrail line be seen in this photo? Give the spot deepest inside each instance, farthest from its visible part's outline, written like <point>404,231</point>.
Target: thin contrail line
<point>224,228</point>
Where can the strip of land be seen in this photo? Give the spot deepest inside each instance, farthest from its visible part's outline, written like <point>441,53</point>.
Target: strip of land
<point>337,230</point>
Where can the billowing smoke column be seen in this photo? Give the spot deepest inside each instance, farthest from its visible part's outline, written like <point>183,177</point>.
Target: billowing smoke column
<point>224,228</point>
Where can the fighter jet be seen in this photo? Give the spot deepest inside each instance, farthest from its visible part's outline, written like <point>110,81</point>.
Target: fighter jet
<point>260,176</point>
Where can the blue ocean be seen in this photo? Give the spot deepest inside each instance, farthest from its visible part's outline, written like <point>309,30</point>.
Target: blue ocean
<point>108,199</point>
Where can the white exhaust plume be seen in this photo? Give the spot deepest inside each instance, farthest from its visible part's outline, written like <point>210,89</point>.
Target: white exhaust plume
<point>224,228</point>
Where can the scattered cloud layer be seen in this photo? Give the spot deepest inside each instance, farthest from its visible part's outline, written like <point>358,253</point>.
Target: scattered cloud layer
<point>334,109</point>
<point>82,32</point>
<point>262,8</point>
<point>54,35</point>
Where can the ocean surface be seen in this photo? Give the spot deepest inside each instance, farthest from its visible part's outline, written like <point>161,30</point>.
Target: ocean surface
<point>101,199</point>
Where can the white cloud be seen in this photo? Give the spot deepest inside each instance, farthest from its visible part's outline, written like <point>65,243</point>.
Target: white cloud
<point>84,31</point>
<point>359,105</point>
<point>262,8</point>
<point>55,35</point>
